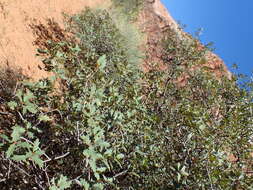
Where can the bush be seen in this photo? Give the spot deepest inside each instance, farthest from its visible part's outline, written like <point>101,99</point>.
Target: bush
<point>9,83</point>
<point>202,143</point>
<point>100,123</point>
<point>201,132</point>
<point>129,8</point>
<point>9,79</point>
<point>82,131</point>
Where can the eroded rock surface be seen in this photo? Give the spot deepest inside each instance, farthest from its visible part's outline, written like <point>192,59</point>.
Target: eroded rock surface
<point>155,21</point>
<point>17,47</point>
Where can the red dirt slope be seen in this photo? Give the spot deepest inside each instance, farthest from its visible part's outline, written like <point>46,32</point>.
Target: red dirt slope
<point>18,49</point>
<point>16,36</point>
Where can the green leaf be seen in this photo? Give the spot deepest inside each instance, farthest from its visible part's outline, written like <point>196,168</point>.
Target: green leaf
<point>42,51</point>
<point>92,122</point>
<point>36,145</point>
<point>44,118</point>
<point>28,96</point>
<point>93,165</point>
<point>63,182</point>
<point>85,184</point>
<point>86,139</point>
<point>12,105</point>
<point>17,133</point>
<point>103,144</point>
<point>98,186</point>
<point>30,134</point>
<point>76,48</point>
<point>202,127</point>
<point>10,150</point>
<point>37,160</point>
<point>59,54</point>
<point>178,177</point>
<point>120,156</point>
<point>108,152</point>
<point>32,108</point>
<point>25,145</point>
<point>97,176</point>
<point>19,94</point>
<point>183,172</point>
<point>3,136</point>
<point>19,158</point>
<point>53,188</point>
<point>101,170</point>
<point>102,63</point>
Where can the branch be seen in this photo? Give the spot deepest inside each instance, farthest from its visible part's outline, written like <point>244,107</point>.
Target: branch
<point>58,157</point>
<point>121,173</point>
<point>4,113</point>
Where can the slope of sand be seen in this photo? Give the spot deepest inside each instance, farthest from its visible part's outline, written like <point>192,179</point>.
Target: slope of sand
<point>16,36</point>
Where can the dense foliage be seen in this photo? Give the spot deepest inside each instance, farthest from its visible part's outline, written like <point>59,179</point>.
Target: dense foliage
<point>129,8</point>
<point>101,123</point>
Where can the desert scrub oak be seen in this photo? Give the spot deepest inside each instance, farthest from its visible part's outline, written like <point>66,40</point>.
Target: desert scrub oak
<point>110,126</point>
<point>81,137</point>
<point>130,8</point>
<point>198,127</point>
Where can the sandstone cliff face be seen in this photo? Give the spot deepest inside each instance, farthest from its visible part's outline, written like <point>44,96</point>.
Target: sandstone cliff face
<point>155,20</point>
<point>17,47</point>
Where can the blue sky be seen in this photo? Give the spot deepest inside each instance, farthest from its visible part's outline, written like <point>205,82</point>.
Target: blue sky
<point>227,23</point>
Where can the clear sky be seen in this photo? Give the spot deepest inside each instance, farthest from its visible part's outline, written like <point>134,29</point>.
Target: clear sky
<point>227,23</point>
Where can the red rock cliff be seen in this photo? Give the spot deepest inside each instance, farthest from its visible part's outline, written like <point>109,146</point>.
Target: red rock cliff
<point>17,49</point>
<point>155,20</point>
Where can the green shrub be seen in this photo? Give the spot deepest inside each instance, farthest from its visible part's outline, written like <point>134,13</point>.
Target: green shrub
<point>129,8</point>
<point>195,128</point>
<point>9,79</point>
<point>82,131</point>
<point>198,128</point>
<point>100,123</point>
<point>103,32</point>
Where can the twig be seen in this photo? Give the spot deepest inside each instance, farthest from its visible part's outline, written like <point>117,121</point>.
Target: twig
<point>2,180</point>
<point>78,133</point>
<point>27,140</point>
<point>57,158</point>
<point>39,148</point>
<point>19,168</point>
<point>121,173</point>
<point>64,155</point>
<point>4,113</point>
<point>15,90</point>
<point>9,170</point>
<point>48,181</point>
<point>21,116</point>
<point>37,182</point>
<point>76,180</point>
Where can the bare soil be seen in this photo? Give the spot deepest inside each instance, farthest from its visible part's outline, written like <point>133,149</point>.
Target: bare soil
<point>17,47</point>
